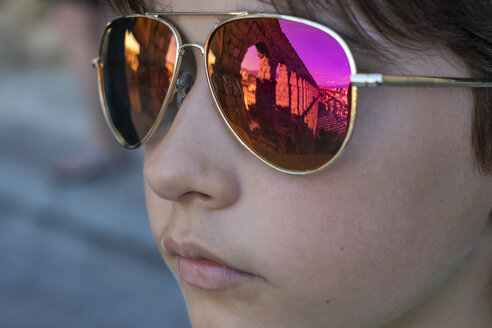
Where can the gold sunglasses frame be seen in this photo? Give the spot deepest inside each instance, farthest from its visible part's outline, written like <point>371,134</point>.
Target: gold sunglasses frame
<point>356,79</point>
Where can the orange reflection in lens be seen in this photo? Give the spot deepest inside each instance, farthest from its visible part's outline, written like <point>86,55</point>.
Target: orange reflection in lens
<point>284,88</point>
<point>149,83</point>
<point>139,56</point>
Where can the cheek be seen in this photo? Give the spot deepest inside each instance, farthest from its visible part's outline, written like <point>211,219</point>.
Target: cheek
<point>159,212</point>
<point>387,222</point>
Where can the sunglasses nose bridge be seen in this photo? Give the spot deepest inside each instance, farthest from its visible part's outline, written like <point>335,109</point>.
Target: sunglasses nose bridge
<point>192,45</point>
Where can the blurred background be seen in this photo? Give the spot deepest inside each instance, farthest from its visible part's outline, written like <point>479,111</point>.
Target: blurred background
<point>76,247</point>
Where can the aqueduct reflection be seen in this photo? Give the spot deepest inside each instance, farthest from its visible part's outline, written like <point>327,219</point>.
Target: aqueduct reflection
<point>271,95</point>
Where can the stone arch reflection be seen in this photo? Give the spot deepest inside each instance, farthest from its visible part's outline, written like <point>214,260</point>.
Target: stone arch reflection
<point>279,95</point>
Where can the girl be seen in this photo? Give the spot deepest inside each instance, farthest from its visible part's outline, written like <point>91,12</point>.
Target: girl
<point>252,205</point>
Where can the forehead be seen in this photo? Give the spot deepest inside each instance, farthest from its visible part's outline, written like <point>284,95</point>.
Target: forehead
<point>372,51</point>
<point>327,17</point>
<point>210,5</point>
<point>194,29</point>
<point>198,30</point>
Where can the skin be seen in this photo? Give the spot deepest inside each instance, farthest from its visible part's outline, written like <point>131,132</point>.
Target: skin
<point>397,233</point>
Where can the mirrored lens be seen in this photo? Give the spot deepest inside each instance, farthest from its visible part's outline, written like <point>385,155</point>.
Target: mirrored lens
<point>284,88</point>
<point>138,60</point>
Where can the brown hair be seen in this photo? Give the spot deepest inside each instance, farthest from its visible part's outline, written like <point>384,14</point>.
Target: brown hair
<point>463,27</point>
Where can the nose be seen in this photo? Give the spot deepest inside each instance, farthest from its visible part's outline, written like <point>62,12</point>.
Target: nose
<point>194,162</point>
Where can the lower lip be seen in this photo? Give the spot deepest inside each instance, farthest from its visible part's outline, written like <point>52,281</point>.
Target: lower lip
<point>210,275</point>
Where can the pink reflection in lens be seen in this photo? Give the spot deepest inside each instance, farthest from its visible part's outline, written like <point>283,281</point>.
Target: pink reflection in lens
<point>284,87</point>
<point>322,55</point>
<point>250,61</point>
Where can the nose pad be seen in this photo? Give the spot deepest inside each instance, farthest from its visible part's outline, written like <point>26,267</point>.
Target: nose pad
<point>184,83</point>
<point>186,77</point>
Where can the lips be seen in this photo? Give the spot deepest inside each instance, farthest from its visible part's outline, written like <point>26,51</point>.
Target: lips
<point>200,268</point>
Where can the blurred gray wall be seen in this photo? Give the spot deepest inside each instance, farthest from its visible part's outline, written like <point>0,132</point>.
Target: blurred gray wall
<point>76,252</point>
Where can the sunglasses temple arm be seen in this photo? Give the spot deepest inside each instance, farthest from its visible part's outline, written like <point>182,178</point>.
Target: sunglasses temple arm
<point>380,80</point>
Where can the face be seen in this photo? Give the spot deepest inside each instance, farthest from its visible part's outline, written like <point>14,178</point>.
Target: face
<point>355,245</point>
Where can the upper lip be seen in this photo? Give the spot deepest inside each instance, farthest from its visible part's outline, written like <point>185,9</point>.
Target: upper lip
<point>192,250</point>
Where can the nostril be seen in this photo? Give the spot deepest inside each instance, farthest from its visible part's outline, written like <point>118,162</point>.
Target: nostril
<point>194,196</point>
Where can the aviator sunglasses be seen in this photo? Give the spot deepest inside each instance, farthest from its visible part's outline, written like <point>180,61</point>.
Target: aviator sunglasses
<point>286,87</point>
